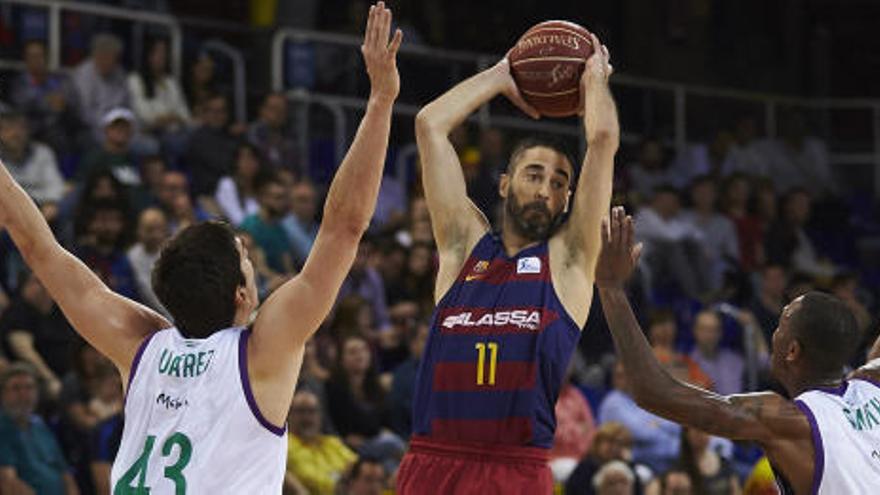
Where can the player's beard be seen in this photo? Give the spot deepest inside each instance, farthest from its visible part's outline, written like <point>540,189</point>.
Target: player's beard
<point>534,220</point>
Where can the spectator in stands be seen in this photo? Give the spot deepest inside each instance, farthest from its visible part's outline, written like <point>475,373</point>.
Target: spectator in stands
<point>30,458</point>
<point>114,153</point>
<point>574,430</point>
<point>656,441</point>
<point>36,332</point>
<point>705,160</point>
<point>106,438</point>
<point>770,299</point>
<point>364,280</point>
<point>157,98</point>
<point>392,264</point>
<point>175,201</point>
<point>710,472</point>
<point>651,169</point>
<point>417,283</point>
<point>614,478</point>
<point>400,399</point>
<point>102,186</point>
<point>300,224</point>
<point>356,401</point>
<point>271,135</point>
<point>612,442</point>
<point>799,161</point>
<point>211,150</point>
<point>100,83</point>
<point>675,482</point>
<point>146,195</point>
<point>202,79</point>
<point>47,100</point>
<point>367,477</point>
<point>267,280</point>
<point>102,247</point>
<point>31,163</point>
<point>846,287</point>
<point>715,233</point>
<point>787,242</point>
<point>672,252</point>
<point>236,195</point>
<point>317,461</point>
<point>735,204</point>
<point>483,186</point>
<point>152,232</point>
<point>662,330</point>
<point>265,225</point>
<point>724,366</point>
<point>746,154</point>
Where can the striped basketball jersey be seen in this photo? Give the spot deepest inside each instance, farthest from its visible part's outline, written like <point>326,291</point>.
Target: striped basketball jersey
<point>845,424</point>
<point>191,422</point>
<point>499,346</point>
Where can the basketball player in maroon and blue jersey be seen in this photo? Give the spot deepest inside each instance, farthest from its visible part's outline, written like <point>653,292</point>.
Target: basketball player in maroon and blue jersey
<point>510,305</point>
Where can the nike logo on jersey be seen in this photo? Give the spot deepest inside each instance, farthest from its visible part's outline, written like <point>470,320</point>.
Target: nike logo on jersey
<point>478,271</point>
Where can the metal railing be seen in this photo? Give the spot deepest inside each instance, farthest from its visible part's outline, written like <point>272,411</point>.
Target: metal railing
<point>56,7</point>
<point>680,94</point>
<point>239,75</point>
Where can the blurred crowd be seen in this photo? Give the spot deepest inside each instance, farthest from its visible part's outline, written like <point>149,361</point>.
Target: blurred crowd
<point>120,160</point>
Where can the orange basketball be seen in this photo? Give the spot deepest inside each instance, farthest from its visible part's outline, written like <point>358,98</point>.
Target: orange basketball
<point>547,63</point>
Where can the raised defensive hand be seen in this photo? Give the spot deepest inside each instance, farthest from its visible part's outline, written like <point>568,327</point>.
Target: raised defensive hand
<point>619,254</point>
<point>380,54</point>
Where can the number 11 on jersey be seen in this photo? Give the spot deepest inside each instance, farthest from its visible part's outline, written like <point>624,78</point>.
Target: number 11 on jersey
<point>481,361</point>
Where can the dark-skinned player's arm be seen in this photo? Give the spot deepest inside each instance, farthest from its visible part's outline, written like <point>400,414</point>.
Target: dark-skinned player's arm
<point>296,309</point>
<point>593,193</point>
<point>112,324</point>
<point>762,417</point>
<point>871,369</point>
<point>457,223</point>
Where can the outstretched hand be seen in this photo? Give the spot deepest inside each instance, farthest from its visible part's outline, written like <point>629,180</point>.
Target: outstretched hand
<point>380,54</point>
<point>619,254</point>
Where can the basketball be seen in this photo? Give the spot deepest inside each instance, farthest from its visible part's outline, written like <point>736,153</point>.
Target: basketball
<point>547,63</point>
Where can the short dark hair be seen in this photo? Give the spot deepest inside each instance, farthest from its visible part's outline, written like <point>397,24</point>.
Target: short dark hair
<point>358,466</point>
<point>12,116</point>
<point>196,278</point>
<point>661,315</point>
<point>266,178</point>
<point>827,331</point>
<point>541,141</point>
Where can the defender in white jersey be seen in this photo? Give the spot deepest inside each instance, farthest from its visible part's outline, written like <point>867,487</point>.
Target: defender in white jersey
<point>826,441</point>
<point>207,398</point>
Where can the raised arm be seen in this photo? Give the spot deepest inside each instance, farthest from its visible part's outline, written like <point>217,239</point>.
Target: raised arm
<point>766,418</point>
<point>458,224</point>
<point>593,193</point>
<point>114,325</point>
<point>294,311</point>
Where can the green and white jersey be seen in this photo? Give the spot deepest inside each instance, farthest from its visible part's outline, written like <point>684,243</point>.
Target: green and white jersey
<point>191,423</point>
<point>845,423</point>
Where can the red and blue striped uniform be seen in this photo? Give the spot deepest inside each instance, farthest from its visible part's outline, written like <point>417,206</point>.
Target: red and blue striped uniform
<point>497,353</point>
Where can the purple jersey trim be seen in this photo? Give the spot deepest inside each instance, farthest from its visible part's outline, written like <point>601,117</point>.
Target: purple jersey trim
<point>819,454</point>
<point>134,365</point>
<point>246,385</point>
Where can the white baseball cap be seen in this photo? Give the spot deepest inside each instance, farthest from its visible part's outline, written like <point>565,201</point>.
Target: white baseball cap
<point>118,113</point>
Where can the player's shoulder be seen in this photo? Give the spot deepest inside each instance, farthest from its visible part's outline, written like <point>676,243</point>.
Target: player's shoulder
<point>869,372</point>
